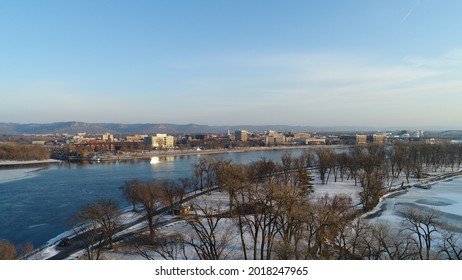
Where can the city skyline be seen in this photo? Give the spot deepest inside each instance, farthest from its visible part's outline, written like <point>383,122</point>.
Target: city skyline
<point>308,63</point>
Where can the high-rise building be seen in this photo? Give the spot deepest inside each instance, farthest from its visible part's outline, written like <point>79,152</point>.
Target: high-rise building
<point>241,135</point>
<point>160,141</point>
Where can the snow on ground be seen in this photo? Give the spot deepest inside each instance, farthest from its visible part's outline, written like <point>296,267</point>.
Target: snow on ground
<point>49,249</point>
<point>346,187</point>
<point>336,188</point>
<point>217,201</point>
<point>220,202</point>
<point>386,212</point>
<point>44,254</point>
<point>226,227</point>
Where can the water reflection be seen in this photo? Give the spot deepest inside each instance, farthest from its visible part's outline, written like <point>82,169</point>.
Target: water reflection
<point>157,160</point>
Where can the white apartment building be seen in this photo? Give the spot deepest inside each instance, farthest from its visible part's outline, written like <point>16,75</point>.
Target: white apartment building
<point>160,141</point>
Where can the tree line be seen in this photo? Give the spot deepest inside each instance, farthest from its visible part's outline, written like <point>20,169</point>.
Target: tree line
<point>16,151</point>
<point>10,251</point>
<point>377,167</point>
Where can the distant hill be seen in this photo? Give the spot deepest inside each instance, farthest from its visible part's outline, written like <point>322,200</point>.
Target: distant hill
<point>95,128</point>
<point>151,128</point>
<point>451,134</point>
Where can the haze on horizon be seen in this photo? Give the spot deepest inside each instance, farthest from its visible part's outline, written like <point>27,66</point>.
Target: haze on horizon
<point>320,63</point>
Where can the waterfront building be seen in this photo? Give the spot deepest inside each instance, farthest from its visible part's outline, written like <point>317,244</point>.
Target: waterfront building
<point>241,135</point>
<point>316,141</point>
<point>160,141</point>
<point>277,139</point>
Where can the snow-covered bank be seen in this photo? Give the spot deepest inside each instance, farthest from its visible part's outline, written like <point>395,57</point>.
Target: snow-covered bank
<point>17,170</point>
<point>7,175</point>
<point>12,163</point>
<point>444,195</point>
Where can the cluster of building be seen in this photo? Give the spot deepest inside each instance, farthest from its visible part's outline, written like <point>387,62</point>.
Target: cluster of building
<point>83,144</point>
<point>274,138</point>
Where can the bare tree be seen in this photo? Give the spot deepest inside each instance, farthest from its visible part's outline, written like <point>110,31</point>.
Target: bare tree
<point>210,237</point>
<point>261,171</point>
<point>97,222</point>
<point>129,190</point>
<point>18,151</point>
<point>262,219</point>
<point>170,192</point>
<point>185,183</point>
<point>7,250</point>
<point>10,251</point>
<point>199,170</point>
<point>326,163</point>
<point>286,169</point>
<point>293,204</point>
<point>220,166</point>
<point>23,250</point>
<point>236,181</point>
<point>205,172</point>
<point>172,247</point>
<point>452,246</point>
<point>89,233</point>
<point>106,213</point>
<point>390,244</point>
<point>149,195</point>
<point>371,190</point>
<point>422,224</point>
<point>168,247</point>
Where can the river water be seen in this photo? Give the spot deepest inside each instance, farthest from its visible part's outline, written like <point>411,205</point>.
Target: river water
<point>37,207</point>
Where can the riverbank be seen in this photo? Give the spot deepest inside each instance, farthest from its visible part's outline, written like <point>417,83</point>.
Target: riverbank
<point>28,163</point>
<point>149,154</point>
<point>167,153</point>
<point>423,184</point>
<point>17,170</point>
<point>7,175</point>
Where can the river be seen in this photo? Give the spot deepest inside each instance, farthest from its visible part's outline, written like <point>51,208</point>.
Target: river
<point>37,207</point>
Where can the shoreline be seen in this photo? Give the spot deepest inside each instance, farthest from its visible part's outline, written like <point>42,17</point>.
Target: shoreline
<point>26,163</point>
<point>213,151</point>
<point>147,155</point>
<point>425,184</point>
<point>13,174</point>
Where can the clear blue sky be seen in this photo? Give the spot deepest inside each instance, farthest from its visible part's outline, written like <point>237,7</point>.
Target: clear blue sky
<point>320,63</point>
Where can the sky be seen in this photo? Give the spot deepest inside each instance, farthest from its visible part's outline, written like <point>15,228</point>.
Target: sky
<point>319,63</point>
